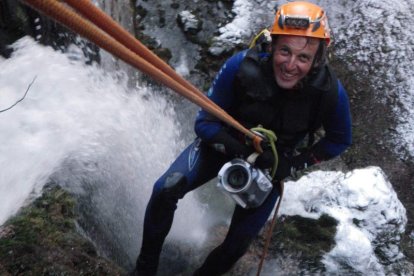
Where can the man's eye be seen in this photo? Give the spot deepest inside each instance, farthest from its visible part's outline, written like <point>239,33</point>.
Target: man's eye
<point>283,51</point>
<point>304,58</point>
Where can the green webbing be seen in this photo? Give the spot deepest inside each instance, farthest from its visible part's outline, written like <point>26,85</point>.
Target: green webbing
<point>271,138</point>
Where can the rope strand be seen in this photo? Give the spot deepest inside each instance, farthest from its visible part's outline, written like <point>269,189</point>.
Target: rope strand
<point>24,96</point>
<point>59,12</point>
<point>271,138</point>
<point>270,232</point>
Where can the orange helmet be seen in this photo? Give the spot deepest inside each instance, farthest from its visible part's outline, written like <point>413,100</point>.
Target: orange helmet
<point>301,19</point>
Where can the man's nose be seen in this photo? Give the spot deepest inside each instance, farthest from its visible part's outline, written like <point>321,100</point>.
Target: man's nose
<point>290,64</point>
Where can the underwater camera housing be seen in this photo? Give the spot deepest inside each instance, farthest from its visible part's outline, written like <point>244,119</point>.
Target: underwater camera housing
<point>247,185</point>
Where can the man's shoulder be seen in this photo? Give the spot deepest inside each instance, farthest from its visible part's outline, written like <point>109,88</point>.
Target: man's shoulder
<point>232,64</point>
<point>237,57</point>
<point>324,79</point>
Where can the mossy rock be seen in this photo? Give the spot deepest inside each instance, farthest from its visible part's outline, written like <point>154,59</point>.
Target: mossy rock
<point>43,240</point>
<point>310,236</point>
<point>307,239</point>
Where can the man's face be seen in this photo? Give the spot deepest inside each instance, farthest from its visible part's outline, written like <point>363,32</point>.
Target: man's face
<point>292,59</point>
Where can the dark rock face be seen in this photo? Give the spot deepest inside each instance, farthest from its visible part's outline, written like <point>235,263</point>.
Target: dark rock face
<point>43,239</point>
<point>373,123</point>
<point>13,24</point>
<point>18,20</point>
<point>297,246</point>
<point>192,24</point>
<point>189,23</point>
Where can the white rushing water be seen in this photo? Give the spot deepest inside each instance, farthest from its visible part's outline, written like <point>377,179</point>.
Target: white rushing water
<point>85,129</point>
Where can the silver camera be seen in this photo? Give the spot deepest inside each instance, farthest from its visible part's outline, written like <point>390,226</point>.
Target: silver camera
<point>247,185</point>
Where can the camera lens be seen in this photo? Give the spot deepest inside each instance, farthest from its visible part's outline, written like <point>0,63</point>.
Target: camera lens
<point>237,177</point>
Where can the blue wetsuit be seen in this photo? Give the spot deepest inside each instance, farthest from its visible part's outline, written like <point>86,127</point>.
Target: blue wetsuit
<point>199,162</point>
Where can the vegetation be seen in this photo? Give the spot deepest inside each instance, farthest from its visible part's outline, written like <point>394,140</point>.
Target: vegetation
<point>43,239</point>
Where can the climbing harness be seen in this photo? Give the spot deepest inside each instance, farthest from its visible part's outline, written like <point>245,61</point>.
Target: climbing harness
<point>101,30</point>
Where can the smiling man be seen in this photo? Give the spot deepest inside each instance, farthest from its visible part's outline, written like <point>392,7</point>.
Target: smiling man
<point>283,85</point>
<point>293,59</point>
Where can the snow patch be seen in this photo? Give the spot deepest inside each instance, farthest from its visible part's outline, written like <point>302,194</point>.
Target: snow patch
<point>371,218</point>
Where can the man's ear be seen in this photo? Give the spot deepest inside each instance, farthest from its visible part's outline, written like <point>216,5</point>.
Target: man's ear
<point>272,44</point>
<point>269,48</point>
<point>320,57</point>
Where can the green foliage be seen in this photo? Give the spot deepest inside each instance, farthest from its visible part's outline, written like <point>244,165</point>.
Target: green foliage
<point>42,240</point>
<point>305,237</point>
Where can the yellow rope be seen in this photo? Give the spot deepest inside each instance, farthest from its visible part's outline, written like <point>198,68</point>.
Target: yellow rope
<point>271,138</point>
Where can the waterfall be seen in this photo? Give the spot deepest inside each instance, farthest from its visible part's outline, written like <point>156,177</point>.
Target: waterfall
<point>87,130</point>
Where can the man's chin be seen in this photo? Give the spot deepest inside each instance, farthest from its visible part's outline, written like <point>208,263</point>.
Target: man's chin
<point>286,84</point>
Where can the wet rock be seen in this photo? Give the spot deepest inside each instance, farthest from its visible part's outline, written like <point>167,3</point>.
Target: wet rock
<point>308,237</point>
<point>140,13</point>
<point>18,20</point>
<point>189,22</point>
<point>175,5</point>
<point>297,247</point>
<point>43,239</point>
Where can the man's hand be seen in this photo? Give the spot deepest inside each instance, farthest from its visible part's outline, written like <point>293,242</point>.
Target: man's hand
<point>232,147</point>
<point>288,166</point>
<point>266,159</point>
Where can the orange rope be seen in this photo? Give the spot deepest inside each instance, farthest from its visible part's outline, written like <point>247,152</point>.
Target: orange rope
<point>110,26</point>
<point>85,28</point>
<point>270,232</point>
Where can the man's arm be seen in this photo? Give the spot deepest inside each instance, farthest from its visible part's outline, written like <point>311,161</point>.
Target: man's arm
<point>221,92</point>
<point>210,129</point>
<point>338,132</point>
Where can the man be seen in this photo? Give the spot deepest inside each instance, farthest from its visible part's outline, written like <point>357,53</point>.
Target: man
<point>286,87</point>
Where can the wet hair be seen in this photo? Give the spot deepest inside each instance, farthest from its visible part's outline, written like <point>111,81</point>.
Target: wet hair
<point>320,58</point>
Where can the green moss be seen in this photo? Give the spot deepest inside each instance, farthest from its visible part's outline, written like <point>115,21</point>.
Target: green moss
<point>42,240</point>
<point>306,237</point>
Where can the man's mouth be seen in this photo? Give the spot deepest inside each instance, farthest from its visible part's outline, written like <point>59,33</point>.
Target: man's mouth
<point>286,75</point>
